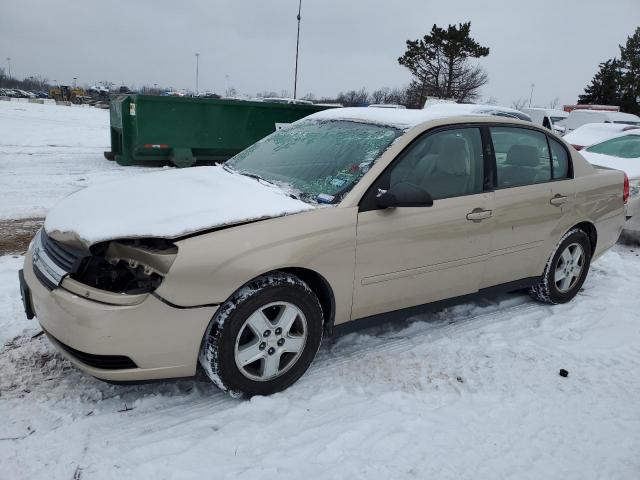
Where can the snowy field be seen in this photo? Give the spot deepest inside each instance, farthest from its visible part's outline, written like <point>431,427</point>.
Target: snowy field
<point>50,151</point>
<point>471,392</point>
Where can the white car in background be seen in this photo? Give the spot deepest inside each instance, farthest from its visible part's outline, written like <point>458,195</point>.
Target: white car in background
<point>593,133</point>
<point>475,109</point>
<point>622,153</point>
<point>577,118</point>
<point>547,117</point>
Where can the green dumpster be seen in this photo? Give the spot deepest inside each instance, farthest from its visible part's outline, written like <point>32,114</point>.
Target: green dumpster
<point>183,131</point>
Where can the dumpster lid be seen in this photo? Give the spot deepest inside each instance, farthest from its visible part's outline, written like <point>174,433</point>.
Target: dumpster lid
<point>166,204</point>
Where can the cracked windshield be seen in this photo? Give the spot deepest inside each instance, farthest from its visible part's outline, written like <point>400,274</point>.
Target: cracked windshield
<point>320,160</point>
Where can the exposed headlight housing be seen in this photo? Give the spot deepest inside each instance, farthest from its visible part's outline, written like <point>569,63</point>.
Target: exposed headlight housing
<point>127,266</point>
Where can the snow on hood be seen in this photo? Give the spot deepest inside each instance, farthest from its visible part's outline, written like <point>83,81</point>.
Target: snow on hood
<point>630,166</point>
<point>166,204</point>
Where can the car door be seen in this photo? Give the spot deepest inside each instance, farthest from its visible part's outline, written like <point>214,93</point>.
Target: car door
<point>408,256</point>
<point>534,191</point>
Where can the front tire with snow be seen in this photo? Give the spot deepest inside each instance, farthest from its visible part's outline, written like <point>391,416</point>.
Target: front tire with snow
<point>566,269</point>
<point>263,338</point>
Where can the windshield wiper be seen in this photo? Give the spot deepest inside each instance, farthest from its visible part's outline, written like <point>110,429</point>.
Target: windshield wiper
<point>247,174</point>
<point>256,176</point>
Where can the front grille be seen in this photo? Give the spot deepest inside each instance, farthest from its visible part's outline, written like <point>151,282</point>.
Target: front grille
<point>67,258</point>
<point>43,279</point>
<point>105,362</point>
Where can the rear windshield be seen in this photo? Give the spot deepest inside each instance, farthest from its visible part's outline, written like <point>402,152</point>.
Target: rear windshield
<point>319,160</point>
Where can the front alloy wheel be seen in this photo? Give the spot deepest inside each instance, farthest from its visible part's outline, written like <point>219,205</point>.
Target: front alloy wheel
<point>264,337</point>
<point>270,341</point>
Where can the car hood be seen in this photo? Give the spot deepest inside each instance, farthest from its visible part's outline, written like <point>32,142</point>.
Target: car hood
<point>166,204</point>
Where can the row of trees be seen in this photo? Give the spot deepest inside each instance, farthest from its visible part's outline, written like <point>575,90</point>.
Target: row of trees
<point>35,83</point>
<point>617,81</point>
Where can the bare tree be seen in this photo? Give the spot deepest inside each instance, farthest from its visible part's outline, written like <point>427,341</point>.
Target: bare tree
<point>353,98</point>
<point>381,95</point>
<point>553,104</point>
<point>266,94</point>
<point>520,103</point>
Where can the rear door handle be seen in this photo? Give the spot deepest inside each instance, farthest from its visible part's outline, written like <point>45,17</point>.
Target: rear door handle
<point>479,214</point>
<point>558,200</point>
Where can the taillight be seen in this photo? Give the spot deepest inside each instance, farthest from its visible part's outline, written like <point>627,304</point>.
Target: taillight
<point>625,189</point>
<point>578,147</point>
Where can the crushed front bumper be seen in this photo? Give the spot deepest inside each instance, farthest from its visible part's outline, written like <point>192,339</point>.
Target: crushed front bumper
<point>160,340</point>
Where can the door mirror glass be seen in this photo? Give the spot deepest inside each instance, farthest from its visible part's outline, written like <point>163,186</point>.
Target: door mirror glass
<point>404,194</point>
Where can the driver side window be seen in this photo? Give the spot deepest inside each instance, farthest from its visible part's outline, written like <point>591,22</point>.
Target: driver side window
<point>446,164</point>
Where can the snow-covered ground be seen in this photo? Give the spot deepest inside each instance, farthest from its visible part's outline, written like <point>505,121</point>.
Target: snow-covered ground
<point>470,392</point>
<point>50,151</point>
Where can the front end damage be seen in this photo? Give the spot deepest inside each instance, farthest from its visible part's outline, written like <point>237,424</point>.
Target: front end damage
<point>97,307</point>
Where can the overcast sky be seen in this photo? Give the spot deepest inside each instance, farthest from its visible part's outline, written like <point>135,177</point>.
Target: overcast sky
<point>345,44</point>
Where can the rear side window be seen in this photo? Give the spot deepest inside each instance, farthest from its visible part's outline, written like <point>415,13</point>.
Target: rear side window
<point>560,160</point>
<point>522,156</point>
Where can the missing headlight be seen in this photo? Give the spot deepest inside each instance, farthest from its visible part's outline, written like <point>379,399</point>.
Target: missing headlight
<point>127,266</point>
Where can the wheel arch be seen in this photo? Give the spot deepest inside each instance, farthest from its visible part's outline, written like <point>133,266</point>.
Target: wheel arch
<point>590,229</point>
<point>321,287</point>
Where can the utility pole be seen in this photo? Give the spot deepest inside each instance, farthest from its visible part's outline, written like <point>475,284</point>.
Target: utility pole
<point>9,62</point>
<point>533,85</point>
<point>295,80</point>
<point>197,71</point>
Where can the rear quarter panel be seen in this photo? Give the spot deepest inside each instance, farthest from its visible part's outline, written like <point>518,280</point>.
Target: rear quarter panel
<point>599,201</point>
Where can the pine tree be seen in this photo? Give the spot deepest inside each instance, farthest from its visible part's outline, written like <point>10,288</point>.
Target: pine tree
<point>605,88</point>
<point>439,63</point>
<point>630,81</point>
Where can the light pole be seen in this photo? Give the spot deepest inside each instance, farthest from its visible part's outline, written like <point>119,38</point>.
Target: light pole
<point>74,81</point>
<point>295,79</point>
<point>9,62</point>
<point>533,85</point>
<point>197,71</point>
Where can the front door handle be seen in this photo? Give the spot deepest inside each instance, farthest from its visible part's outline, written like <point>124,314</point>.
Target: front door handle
<point>558,200</point>
<point>479,214</point>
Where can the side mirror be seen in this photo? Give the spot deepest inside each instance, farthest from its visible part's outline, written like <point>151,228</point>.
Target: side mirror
<point>403,194</point>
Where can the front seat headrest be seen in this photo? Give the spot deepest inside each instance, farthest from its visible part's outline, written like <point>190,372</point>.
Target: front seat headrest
<point>454,156</point>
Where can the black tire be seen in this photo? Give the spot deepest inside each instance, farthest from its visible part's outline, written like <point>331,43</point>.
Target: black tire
<point>546,290</point>
<point>218,345</point>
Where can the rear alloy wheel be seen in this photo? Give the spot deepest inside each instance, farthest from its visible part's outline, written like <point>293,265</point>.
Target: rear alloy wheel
<point>569,267</point>
<point>263,338</point>
<point>566,270</point>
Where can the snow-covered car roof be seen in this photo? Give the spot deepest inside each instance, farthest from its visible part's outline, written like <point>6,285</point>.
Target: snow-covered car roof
<point>402,119</point>
<point>593,133</point>
<point>477,109</point>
